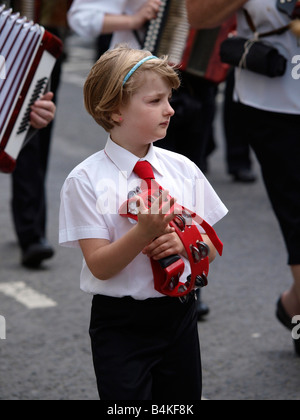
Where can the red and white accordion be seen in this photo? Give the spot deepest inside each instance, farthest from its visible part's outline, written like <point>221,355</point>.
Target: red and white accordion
<point>196,52</point>
<point>28,54</point>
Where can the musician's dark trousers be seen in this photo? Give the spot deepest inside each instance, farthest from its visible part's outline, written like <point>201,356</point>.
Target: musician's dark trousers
<point>238,148</point>
<point>29,194</point>
<point>146,350</point>
<point>275,140</point>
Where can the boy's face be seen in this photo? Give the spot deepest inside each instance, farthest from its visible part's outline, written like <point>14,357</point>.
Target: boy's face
<point>147,116</point>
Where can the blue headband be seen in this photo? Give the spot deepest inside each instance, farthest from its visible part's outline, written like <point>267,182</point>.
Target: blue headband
<point>151,57</point>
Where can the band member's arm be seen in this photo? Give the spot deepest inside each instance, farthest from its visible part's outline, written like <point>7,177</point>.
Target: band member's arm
<point>91,18</point>
<point>211,13</point>
<point>113,23</point>
<point>43,112</point>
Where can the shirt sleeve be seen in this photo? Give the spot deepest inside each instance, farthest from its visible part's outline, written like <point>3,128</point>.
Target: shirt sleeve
<point>86,16</point>
<point>207,203</point>
<point>79,218</point>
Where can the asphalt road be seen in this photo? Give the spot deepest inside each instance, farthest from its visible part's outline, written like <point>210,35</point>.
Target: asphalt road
<point>46,355</point>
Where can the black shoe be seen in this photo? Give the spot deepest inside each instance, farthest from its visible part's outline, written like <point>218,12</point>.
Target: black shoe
<point>36,253</point>
<point>246,176</point>
<point>285,320</point>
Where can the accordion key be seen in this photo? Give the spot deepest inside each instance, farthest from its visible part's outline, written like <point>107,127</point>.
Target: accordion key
<point>28,54</point>
<point>196,52</point>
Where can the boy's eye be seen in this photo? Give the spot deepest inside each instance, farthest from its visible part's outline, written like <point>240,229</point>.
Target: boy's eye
<point>155,101</point>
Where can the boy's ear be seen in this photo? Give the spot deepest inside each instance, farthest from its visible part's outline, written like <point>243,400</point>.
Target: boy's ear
<point>117,117</point>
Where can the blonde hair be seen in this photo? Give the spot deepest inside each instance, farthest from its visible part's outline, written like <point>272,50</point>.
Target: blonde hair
<point>104,91</point>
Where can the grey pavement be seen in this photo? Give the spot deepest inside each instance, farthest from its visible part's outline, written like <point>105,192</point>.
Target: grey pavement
<point>46,355</point>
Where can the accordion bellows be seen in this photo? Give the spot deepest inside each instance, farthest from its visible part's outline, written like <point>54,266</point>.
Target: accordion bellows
<point>28,54</point>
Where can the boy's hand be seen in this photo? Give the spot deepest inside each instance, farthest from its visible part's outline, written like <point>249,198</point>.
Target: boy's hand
<point>43,112</point>
<point>154,222</point>
<point>165,246</point>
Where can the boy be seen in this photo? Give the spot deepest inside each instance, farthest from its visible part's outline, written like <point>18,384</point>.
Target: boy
<point>145,345</point>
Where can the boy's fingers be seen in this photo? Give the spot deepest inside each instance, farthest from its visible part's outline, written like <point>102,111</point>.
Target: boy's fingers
<point>156,206</point>
<point>163,204</point>
<point>169,228</point>
<point>166,209</point>
<point>141,206</point>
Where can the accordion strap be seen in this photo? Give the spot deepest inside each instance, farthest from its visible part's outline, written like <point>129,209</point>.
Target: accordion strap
<point>253,28</point>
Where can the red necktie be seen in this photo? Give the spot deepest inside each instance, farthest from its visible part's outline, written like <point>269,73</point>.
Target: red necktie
<point>144,170</point>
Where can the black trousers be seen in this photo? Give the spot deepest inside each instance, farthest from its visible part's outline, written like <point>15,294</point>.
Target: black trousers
<point>28,189</point>
<point>275,139</point>
<point>146,350</point>
<point>237,147</point>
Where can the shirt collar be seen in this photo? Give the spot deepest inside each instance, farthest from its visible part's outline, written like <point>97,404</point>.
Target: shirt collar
<point>125,161</point>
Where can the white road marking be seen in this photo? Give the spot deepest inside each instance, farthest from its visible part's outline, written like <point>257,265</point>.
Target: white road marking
<point>2,328</point>
<point>26,296</point>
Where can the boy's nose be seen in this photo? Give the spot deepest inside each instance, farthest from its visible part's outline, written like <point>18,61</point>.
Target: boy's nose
<point>169,110</point>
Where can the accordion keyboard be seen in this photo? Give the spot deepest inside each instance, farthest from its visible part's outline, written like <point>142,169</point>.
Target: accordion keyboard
<point>38,91</point>
<point>169,32</point>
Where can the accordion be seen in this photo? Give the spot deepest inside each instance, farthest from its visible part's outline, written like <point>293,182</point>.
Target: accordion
<point>193,51</point>
<point>28,54</point>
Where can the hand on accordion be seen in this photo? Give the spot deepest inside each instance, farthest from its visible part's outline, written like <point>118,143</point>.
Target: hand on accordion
<point>146,13</point>
<point>43,112</point>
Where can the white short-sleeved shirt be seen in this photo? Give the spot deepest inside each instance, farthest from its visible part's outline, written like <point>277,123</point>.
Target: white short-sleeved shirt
<point>86,18</point>
<point>96,189</point>
<point>279,94</point>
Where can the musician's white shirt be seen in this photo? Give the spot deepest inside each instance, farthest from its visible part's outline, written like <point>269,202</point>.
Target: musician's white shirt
<point>280,94</point>
<point>86,18</point>
<point>96,189</point>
